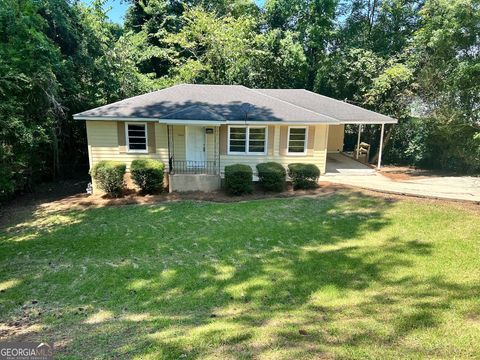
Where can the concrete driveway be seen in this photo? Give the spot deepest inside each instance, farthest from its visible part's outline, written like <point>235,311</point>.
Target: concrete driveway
<point>445,187</point>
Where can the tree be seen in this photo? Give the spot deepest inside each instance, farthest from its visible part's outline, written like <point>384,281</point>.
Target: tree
<point>382,26</point>
<point>390,93</point>
<point>313,20</point>
<point>213,50</point>
<point>56,58</point>
<point>448,57</point>
<point>280,61</point>
<point>348,74</point>
<point>28,95</point>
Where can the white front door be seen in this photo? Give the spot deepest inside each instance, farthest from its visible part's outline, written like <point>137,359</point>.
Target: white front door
<point>195,143</point>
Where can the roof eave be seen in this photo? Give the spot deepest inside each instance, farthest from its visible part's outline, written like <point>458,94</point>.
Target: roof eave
<point>232,122</point>
<point>112,118</point>
<point>373,122</point>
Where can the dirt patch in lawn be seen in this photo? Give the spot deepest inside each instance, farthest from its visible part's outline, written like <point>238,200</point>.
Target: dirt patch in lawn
<point>400,173</point>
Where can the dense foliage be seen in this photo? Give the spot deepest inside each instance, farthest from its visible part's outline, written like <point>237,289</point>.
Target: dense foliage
<point>109,176</point>
<point>415,60</point>
<point>147,174</point>
<point>303,176</point>
<point>238,179</point>
<point>271,176</point>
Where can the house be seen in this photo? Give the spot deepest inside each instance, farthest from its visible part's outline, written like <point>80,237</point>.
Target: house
<point>196,130</point>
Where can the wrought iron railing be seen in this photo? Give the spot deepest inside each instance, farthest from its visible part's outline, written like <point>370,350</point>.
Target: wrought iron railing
<point>194,167</point>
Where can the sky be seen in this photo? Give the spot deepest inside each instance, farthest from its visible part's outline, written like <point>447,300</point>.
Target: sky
<point>118,9</point>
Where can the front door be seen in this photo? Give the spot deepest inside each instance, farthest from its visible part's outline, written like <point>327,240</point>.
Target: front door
<point>195,144</point>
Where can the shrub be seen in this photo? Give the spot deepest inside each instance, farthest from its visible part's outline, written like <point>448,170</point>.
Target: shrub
<point>238,179</point>
<point>304,176</point>
<point>271,176</point>
<point>147,174</point>
<point>109,176</point>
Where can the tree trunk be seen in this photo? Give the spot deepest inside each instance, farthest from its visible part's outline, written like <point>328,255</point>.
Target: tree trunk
<point>56,155</point>
<point>372,7</point>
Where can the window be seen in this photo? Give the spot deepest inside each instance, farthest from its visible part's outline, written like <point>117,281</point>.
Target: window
<point>297,140</point>
<point>137,137</point>
<point>247,140</point>
<point>238,139</point>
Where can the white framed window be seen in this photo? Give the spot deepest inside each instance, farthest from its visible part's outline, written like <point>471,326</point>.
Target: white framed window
<point>297,140</point>
<point>136,136</point>
<point>247,140</point>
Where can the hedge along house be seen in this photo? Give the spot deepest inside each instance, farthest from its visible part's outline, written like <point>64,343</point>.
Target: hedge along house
<point>196,130</point>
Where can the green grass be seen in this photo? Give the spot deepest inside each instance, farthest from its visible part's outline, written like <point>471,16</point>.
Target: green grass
<point>346,276</point>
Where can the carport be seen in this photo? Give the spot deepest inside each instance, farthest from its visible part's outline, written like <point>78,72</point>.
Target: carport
<point>341,164</point>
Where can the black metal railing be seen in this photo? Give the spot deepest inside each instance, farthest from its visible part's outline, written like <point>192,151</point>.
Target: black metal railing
<point>194,167</point>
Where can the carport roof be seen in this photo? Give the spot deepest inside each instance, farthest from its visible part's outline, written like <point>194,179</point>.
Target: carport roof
<point>339,110</point>
<point>233,104</point>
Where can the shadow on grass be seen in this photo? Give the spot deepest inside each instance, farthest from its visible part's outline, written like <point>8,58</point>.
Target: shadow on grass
<point>185,280</point>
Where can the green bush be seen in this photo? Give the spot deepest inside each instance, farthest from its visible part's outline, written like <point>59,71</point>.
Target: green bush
<point>147,174</point>
<point>271,176</point>
<point>238,179</point>
<point>304,176</point>
<point>109,176</point>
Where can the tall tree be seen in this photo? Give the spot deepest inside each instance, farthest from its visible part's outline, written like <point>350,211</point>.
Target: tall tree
<point>382,26</point>
<point>214,50</point>
<point>448,60</point>
<point>28,95</point>
<point>313,20</point>
<point>56,58</point>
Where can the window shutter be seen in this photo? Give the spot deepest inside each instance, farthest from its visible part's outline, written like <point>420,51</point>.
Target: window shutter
<point>223,139</point>
<point>283,140</point>
<point>152,147</point>
<point>311,140</point>
<point>122,144</point>
<point>271,137</point>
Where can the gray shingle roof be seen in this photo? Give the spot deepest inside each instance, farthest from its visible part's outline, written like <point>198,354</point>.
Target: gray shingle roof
<point>225,103</point>
<point>337,109</point>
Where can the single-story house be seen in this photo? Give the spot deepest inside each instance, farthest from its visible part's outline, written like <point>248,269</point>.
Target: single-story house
<point>197,130</point>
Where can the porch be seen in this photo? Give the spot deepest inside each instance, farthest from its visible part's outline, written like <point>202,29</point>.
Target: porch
<point>193,149</point>
<point>193,158</point>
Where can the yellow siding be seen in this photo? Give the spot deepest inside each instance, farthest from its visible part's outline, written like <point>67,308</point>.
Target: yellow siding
<point>102,139</point>
<point>179,142</point>
<point>336,134</point>
<point>317,157</point>
<point>212,145</point>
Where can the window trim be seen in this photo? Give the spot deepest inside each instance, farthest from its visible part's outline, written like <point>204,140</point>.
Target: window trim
<point>305,144</point>
<point>127,142</point>
<point>247,140</point>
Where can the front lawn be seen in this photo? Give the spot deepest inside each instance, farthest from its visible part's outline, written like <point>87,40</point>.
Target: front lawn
<point>346,276</point>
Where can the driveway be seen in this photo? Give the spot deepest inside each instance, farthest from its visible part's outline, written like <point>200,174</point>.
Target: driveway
<point>446,187</point>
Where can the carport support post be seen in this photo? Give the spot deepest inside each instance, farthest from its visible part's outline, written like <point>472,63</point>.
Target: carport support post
<point>381,147</point>
<point>358,139</point>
